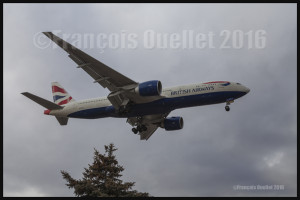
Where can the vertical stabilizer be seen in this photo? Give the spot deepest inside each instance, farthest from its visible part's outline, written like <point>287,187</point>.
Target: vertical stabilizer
<point>60,95</point>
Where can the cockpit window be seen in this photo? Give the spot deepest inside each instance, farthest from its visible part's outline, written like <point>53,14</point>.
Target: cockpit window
<point>238,83</point>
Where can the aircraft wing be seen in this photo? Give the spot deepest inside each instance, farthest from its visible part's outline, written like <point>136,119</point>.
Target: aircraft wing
<point>118,84</point>
<point>152,122</point>
<point>101,73</point>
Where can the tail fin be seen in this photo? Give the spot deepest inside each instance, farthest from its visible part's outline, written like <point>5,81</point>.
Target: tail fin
<point>60,95</point>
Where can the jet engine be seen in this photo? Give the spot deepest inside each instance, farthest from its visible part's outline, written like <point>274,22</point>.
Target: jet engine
<point>173,123</point>
<point>149,88</point>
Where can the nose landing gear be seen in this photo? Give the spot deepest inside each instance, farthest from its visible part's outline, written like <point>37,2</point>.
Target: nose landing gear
<point>227,108</point>
<point>228,101</point>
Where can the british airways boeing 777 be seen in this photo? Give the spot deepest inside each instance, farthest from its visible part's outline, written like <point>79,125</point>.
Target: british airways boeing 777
<point>145,105</point>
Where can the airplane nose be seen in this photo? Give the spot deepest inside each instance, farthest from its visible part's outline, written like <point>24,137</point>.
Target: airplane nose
<point>247,90</point>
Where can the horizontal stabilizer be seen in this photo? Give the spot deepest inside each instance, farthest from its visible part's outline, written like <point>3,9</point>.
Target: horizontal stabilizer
<point>43,102</point>
<point>62,120</point>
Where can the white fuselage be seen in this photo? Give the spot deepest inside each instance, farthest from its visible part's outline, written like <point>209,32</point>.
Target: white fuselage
<point>171,98</point>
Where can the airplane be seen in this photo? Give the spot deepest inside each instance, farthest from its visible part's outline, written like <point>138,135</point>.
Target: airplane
<point>145,105</point>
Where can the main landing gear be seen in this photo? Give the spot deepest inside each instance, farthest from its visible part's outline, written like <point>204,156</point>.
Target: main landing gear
<point>139,128</point>
<point>227,108</point>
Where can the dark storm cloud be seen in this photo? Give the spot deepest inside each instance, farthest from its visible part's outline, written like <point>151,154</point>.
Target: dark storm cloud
<point>253,144</point>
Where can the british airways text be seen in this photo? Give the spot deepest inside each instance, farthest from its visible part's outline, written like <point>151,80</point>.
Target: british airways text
<point>194,90</point>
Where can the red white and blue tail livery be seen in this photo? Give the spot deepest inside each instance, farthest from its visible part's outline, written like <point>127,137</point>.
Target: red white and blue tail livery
<point>60,95</point>
<point>145,105</point>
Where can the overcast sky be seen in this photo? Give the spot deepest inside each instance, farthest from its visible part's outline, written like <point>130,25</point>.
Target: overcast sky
<point>213,155</point>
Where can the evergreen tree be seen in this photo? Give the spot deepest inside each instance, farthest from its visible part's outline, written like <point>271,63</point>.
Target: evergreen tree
<point>101,179</point>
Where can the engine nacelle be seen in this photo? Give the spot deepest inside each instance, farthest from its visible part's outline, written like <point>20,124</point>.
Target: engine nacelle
<point>173,123</point>
<point>149,88</point>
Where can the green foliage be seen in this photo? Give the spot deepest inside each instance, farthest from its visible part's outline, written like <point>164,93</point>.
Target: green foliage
<point>102,178</point>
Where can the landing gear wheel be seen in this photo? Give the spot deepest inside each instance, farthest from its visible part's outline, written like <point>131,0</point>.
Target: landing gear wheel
<point>134,130</point>
<point>144,128</point>
<point>141,128</point>
<point>227,108</point>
